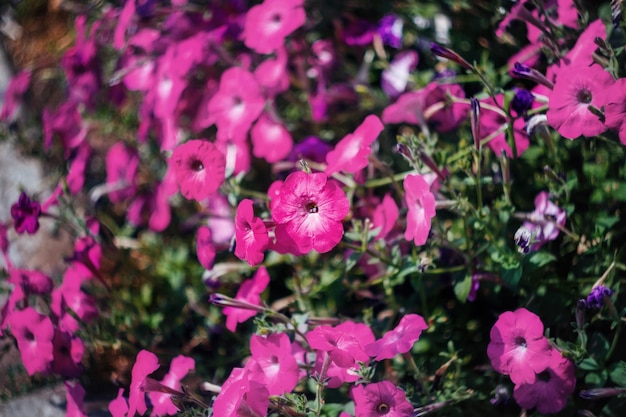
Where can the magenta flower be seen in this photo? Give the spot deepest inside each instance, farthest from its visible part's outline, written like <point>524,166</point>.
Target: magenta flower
<point>70,295</point>
<point>67,124</point>
<point>395,78</point>
<point>162,402</point>
<point>270,139</point>
<point>409,108</point>
<point>545,220</point>
<point>33,332</point>
<point>16,88</point>
<point>272,74</point>
<point>146,363</point>
<point>492,124</point>
<point>241,396</point>
<point>119,406</point>
<point>351,152</point>
<point>518,347</point>
<point>75,395</point>
<point>312,209</point>
<point>249,292</point>
<point>205,248</point>
<point>343,348</point>
<point>269,23</point>
<point>380,399</point>
<point>548,394</point>
<point>385,216</point>
<point>236,105</point>
<point>25,214</point>
<point>76,174</point>
<point>278,369</point>
<point>199,167</point>
<point>576,89</point>
<point>250,234</point>
<point>444,115</point>
<point>311,148</point>
<point>398,340</point>
<point>390,30</point>
<point>68,354</point>
<point>615,108</point>
<point>421,204</point>
<point>122,163</point>
<point>32,282</point>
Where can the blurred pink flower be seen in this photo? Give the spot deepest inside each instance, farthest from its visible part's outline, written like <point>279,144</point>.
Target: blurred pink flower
<point>205,248</point>
<point>409,108</point>
<point>76,174</point>
<point>31,281</point>
<point>236,105</point>
<point>272,74</point>
<point>119,406</point>
<point>577,88</point>
<point>451,114</point>
<point>380,399</point>
<point>145,363</point>
<point>518,347</point>
<point>343,348</point>
<point>351,153</point>
<point>550,390</point>
<point>278,369</point>
<point>70,295</point>
<point>199,168</point>
<point>421,204</point>
<point>398,340</point>
<point>161,402</point>
<point>75,395</point>
<point>312,209</point>
<point>25,213</point>
<point>251,238</point>
<point>385,216</point>
<point>270,139</point>
<point>491,125</point>
<point>33,333</point>
<point>68,354</point>
<point>545,220</point>
<point>67,124</point>
<point>11,100</point>
<point>269,23</point>
<point>249,292</point>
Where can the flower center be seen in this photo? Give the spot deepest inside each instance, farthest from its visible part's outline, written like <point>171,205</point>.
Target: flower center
<point>520,341</point>
<point>276,19</point>
<point>584,96</point>
<point>311,207</point>
<point>383,408</point>
<point>197,165</point>
<point>544,376</point>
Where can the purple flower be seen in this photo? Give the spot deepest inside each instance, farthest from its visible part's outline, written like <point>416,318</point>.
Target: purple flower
<point>26,214</point>
<point>545,221</point>
<point>390,30</point>
<point>522,101</point>
<point>595,299</point>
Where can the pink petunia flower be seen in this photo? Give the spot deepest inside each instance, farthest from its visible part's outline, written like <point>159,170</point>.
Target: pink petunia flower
<point>122,163</point>
<point>492,124</point>
<point>76,174</point>
<point>161,402</point>
<point>25,213</point>
<point>385,216</point>
<point>68,354</point>
<point>272,74</point>
<point>278,369</point>
<point>545,220</point>
<point>205,248</point>
<point>75,395</point>
<point>241,396</point>
<point>145,363</point>
<point>199,168</point>
<point>249,292</point>
<point>398,340</point>
<point>380,399</point>
<point>270,139</point>
<point>443,113</point>
<point>550,390</point>
<point>351,152</point>
<point>577,88</point>
<point>33,332</point>
<point>31,282</point>
<point>236,105</point>
<point>269,23</point>
<point>250,234</point>
<point>342,347</point>
<point>312,209</point>
<point>615,108</point>
<point>16,88</point>
<point>118,407</point>
<point>421,203</point>
<point>518,347</point>
<point>67,124</point>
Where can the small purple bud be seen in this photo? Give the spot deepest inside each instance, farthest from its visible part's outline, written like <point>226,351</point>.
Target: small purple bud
<point>444,52</point>
<point>522,101</point>
<point>475,121</point>
<point>594,393</point>
<point>522,71</point>
<point>596,297</point>
<point>501,395</point>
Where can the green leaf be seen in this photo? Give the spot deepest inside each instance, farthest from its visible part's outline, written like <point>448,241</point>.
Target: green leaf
<point>462,288</point>
<point>540,259</point>
<point>512,277</point>
<point>596,379</point>
<point>618,373</point>
<point>589,364</point>
<point>598,346</point>
<point>352,260</point>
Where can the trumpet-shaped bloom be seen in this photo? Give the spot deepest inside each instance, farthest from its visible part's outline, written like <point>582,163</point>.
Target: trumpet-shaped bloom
<point>421,204</point>
<point>269,23</point>
<point>343,348</point>
<point>351,152</point>
<point>33,332</point>
<point>270,139</point>
<point>250,234</point>
<point>380,399</point>
<point>615,108</point>
<point>312,209</point>
<point>199,167</point>
<point>518,347</point>
<point>205,248</point>
<point>25,213</point>
<point>576,89</point>
<point>398,340</point>
<point>250,292</point>
<point>278,369</point>
<point>146,363</point>
<point>162,402</point>
<point>241,395</point>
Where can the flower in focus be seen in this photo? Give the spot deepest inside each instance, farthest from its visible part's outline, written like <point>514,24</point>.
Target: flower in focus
<point>312,209</point>
<point>34,333</point>
<point>342,347</point>
<point>421,204</point>
<point>145,363</point>
<point>199,168</point>
<point>595,299</point>
<point>249,292</point>
<point>278,369</point>
<point>548,394</point>
<point>398,340</point>
<point>615,108</point>
<point>25,214</point>
<point>518,347</point>
<point>576,89</point>
<point>545,220</point>
<point>380,399</point>
<point>269,23</point>
<point>241,395</point>
<point>250,234</point>
<point>351,152</point>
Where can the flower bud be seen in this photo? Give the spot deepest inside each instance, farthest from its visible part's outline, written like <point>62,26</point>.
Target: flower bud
<point>475,121</point>
<point>443,52</point>
<point>522,239</point>
<point>522,71</point>
<point>595,393</point>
